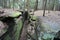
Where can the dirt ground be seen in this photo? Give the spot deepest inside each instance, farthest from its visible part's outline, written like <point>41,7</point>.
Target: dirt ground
<point>52,19</point>
<point>52,15</point>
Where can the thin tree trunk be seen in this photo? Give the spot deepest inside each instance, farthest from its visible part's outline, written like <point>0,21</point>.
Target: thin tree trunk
<point>45,1</point>
<point>54,5</point>
<point>49,7</point>
<point>2,2</point>
<point>13,4</point>
<point>5,3</point>
<point>27,5</point>
<point>53,8</point>
<point>9,4</point>
<point>42,4</point>
<point>36,5</point>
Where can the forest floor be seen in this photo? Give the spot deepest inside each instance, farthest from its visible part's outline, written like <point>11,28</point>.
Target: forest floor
<point>52,15</point>
<point>52,19</point>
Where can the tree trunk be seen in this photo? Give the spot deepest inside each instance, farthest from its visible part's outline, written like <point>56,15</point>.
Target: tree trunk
<point>53,8</point>
<point>9,4</point>
<point>13,4</point>
<point>36,5</point>
<point>27,5</point>
<point>42,4</point>
<point>49,7</point>
<point>45,1</point>
<point>54,5</point>
<point>4,3</point>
